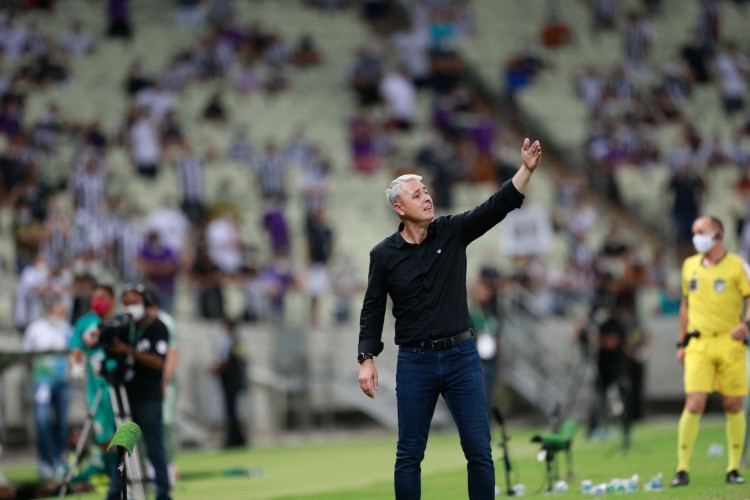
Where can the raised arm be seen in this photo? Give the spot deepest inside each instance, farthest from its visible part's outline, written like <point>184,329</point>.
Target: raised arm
<point>531,154</point>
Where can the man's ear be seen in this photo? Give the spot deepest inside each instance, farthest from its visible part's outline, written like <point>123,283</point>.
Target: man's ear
<point>398,208</point>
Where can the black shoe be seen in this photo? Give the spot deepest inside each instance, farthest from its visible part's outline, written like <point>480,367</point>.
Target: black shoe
<point>681,478</point>
<point>733,477</point>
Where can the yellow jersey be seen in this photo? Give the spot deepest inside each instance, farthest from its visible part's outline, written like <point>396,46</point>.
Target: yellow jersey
<point>715,293</point>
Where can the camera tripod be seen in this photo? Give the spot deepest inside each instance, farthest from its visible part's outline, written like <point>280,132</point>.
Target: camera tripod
<point>121,410</point>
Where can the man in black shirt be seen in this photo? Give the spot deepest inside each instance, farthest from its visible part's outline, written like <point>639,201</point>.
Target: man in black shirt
<point>423,268</point>
<point>145,352</point>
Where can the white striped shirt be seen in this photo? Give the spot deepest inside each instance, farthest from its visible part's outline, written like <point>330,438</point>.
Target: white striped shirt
<point>191,169</point>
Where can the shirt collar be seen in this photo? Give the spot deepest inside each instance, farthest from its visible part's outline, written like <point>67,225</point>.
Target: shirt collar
<point>401,242</point>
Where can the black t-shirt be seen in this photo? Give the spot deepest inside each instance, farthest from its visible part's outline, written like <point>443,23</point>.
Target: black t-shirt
<point>143,383</point>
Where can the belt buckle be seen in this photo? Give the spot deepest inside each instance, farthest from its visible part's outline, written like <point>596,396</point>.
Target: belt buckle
<point>440,345</point>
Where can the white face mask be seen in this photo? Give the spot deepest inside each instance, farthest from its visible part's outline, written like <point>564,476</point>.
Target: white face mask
<point>703,243</point>
<point>137,311</point>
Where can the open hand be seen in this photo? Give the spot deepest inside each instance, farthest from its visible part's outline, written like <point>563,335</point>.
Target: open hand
<point>531,154</point>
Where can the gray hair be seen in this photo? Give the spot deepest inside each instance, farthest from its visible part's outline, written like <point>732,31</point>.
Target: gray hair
<point>393,193</point>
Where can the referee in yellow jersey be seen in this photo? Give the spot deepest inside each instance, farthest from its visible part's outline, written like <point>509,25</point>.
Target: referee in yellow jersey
<point>715,290</point>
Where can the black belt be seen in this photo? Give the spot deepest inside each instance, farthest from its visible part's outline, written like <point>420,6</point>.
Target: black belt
<point>441,344</point>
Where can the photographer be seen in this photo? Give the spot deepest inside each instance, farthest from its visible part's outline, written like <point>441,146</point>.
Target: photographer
<point>87,355</point>
<point>143,353</point>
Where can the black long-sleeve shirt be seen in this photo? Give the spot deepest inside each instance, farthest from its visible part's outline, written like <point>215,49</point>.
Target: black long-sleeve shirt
<point>427,282</point>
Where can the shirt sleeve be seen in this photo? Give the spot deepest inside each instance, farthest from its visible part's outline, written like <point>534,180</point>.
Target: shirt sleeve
<point>477,221</point>
<point>373,308</point>
<point>159,340</point>
<point>745,282</point>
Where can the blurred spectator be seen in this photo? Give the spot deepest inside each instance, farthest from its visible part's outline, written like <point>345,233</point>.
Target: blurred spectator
<point>224,242</point>
<point>320,239</point>
<point>276,53</point>
<point>230,366</point>
<point>411,47</point>
<point>400,99</point>
<point>82,289</point>
<point>276,226</point>
<point>555,32</point>
<point>75,42</point>
<point>207,279</point>
<point>638,42</point>
<point>156,100</point>
<point>687,189</point>
<point>603,15</point>
<point>171,224</point>
<point>483,132</point>
<point>270,169</point>
<point>241,148</point>
<point>249,78</point>
<point>160,265</point>
<point>485,320</point>
<point>87,184</point>
<point>709,25</point>
<point>731,68</point>
<point>520,70</point>
<point>31,291</point>
<point>144,144</point>
<point>306,53</point>
<point>344,285</point>
<point>362,133</point>
<point>606,337</point>
<point>51,332</point>
<point>135,78</point>
<point>125,245</point>
<point>190,13</point>
<point>171,132</point>
<point>118,12</point>
<point>364,76</point>
<point>191,170</point>
<point>214,110</point>
<point>440,163</point>
<point>278,278</point>
<point>221,12</point>
<point>375,12</point>
<point>696,55</point>
<point>30,198</point>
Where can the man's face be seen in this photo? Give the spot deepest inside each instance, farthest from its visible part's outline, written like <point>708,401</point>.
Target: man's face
<point>704,226</point>
<point>415,203</point>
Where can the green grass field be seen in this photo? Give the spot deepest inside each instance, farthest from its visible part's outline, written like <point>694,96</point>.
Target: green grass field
<point>362,468</point>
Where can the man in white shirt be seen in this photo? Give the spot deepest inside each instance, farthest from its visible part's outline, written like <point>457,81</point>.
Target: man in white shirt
<point>400,99</point>
<point>49,373</point>
<point>145,146</point>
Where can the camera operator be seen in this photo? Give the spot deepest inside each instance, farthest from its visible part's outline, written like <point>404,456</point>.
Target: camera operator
<point>144,353</point>
<point>87,355</point>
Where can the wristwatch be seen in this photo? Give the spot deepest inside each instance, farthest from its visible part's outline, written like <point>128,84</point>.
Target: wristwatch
<point>363,356</point>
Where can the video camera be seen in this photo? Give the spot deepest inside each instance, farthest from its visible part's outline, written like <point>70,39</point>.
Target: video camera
<point>116,327</point>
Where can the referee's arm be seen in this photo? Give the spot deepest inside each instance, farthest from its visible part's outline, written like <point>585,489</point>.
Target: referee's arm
<point>742,331</point>
<point>683,329</point>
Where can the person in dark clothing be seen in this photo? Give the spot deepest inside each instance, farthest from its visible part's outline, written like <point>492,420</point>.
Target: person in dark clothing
<point>118,12</point>
<point>612,371</point>
<point>319,251</point>
<point>209,281</point>
<point>687,189</point>
<point>230,367</point>
<point>422,267</point>
<point>143,365</point>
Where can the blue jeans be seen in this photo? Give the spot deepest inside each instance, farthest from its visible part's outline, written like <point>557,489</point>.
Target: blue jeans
<point>423,375</point>
<point>148,416</point>
<point>51,413</point>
